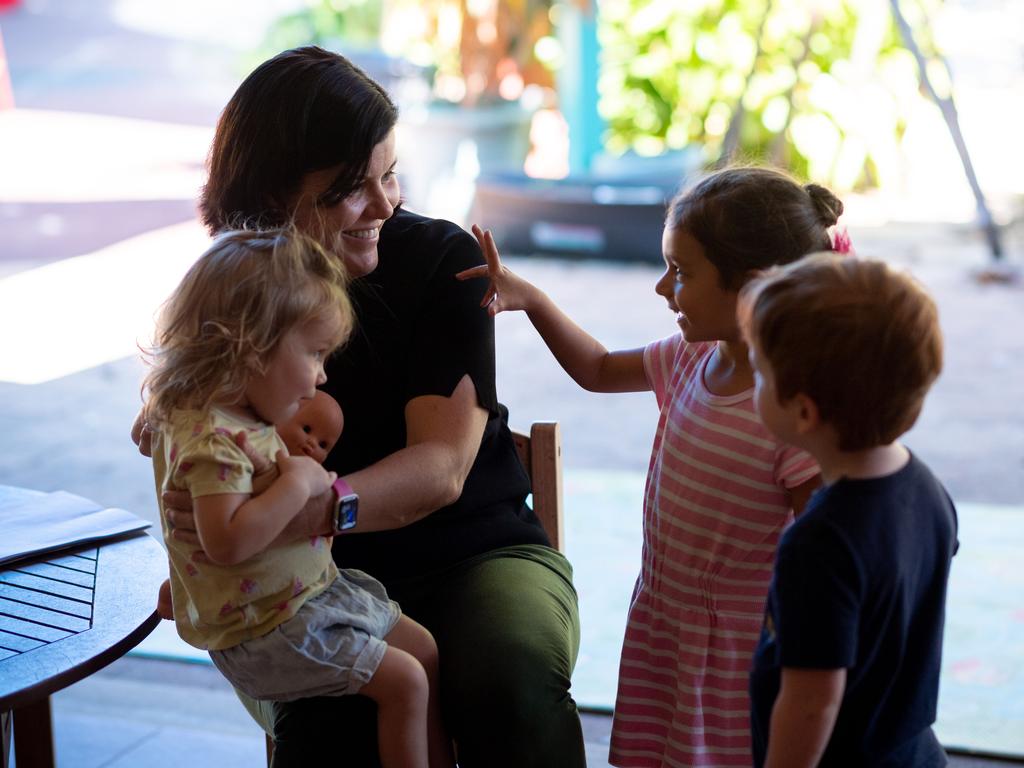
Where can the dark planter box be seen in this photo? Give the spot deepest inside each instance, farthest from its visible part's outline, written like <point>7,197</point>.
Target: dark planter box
<point>577,217</point>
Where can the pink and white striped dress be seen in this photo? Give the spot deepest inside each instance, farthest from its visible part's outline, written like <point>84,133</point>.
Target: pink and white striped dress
<point>714,507</point>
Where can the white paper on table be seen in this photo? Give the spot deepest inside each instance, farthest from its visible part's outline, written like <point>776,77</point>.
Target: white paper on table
<point>32,523</point>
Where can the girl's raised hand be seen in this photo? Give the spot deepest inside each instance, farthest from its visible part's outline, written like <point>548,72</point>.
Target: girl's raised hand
<point>507,291</point>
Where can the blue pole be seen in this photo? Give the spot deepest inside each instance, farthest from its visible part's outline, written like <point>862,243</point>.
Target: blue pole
<point>577,83</point>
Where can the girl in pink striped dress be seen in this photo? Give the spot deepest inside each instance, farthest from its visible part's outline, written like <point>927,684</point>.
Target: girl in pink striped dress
<point>720,487</point>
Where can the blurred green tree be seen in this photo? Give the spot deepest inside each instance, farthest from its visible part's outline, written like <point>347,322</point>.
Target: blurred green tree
<point>326,23</point>
<point>822,87</point>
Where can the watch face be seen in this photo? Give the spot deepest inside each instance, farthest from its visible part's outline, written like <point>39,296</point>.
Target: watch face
<point>347,509</point>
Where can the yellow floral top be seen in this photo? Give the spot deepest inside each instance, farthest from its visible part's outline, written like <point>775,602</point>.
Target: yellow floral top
<point>219,606</point>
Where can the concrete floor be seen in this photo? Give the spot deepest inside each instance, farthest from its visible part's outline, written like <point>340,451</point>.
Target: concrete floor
<point>156,714</point>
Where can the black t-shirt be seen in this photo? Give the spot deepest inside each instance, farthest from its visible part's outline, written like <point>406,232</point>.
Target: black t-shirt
<point>418,332</point>
<point>860,583</point>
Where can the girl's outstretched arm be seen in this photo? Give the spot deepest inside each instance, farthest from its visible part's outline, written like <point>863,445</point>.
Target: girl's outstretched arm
<point>581,355</point>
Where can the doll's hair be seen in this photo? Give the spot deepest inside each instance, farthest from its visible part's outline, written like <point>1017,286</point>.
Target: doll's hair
<point>750,218</point>
<point>858,338</point>
<point>230,312</point>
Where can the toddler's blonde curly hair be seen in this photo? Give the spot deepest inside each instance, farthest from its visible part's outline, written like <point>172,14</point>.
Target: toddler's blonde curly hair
<point>231,310</point>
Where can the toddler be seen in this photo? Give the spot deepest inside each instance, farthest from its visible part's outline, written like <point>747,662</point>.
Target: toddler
<point>720,487</point>
<point>847,668</point>
<point>240,346</point>
<point>312,431</point>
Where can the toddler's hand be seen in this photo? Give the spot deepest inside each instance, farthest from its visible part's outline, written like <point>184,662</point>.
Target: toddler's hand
<point>507,290</point>
<point>264,471</point>
<point>314,478</point>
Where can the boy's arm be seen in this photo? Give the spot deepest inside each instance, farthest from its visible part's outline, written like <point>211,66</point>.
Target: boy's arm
<point>803,716</point>
<point>583,357</point>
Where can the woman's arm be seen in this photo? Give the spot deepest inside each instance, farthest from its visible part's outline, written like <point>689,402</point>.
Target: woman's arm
<point>581,356</point>
<point>443,437</point>
<point>233,527</point>
<point>803,716</point>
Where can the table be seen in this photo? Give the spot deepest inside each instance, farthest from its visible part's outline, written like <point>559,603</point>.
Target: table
<point>64,616</point>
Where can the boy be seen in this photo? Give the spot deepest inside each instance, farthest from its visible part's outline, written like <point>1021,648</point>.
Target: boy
<point>847,668</point>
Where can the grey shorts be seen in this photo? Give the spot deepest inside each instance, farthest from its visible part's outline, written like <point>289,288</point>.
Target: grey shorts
<point>331,647</point>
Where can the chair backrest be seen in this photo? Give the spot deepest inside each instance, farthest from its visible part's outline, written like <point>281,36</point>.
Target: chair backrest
<point>541,454</point>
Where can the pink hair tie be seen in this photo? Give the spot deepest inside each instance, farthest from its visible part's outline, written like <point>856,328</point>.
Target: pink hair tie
<point>841,242</point>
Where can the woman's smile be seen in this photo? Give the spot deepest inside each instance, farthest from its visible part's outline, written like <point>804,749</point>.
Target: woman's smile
<point>363,234</point>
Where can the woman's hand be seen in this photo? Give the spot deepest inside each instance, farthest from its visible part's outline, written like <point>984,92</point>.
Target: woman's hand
<point>507,290</point>
<point>264,472</point>
<point>142,436</point>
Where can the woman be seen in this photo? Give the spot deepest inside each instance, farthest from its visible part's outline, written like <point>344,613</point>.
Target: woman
<point>442,518</point>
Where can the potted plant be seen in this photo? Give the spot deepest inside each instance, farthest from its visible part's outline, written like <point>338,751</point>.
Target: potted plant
<point>461,106</point>
<point>479,57</point>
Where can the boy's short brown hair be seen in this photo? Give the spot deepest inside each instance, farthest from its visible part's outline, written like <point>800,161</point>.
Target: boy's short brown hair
<point>858,338</point>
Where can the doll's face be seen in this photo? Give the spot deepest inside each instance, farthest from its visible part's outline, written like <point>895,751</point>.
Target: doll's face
<point>315,427</point>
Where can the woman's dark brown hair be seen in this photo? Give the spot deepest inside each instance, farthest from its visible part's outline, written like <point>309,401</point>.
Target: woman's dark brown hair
<point>751,218</point>
<point>304,110</point>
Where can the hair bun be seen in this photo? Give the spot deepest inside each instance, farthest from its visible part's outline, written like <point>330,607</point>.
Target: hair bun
<point>828,206</point>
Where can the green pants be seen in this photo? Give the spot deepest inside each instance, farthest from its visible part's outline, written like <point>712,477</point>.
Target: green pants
<point>507,629</point>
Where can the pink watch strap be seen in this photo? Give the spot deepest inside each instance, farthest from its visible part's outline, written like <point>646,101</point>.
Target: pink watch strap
<point>341,488</point>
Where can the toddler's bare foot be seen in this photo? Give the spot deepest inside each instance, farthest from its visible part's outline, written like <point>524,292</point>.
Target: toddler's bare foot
<point>164,608</point>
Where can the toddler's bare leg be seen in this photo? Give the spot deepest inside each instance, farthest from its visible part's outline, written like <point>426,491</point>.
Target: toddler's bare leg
<point>416,640</point>
<point>399,686</point>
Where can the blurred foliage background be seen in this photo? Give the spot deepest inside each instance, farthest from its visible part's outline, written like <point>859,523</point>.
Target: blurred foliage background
<point>470,51</point>
<point>328,23</point>
<point>822,88</point>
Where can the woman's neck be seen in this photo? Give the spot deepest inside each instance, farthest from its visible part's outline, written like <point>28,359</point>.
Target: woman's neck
<point>728,371</point>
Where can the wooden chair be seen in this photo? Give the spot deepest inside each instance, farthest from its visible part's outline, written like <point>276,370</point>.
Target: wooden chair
<point>541,454</point>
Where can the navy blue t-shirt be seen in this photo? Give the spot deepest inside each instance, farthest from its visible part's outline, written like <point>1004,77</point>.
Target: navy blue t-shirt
<point>860,583</point>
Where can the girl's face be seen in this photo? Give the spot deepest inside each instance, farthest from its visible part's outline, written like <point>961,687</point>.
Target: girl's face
<point>705,311</point>
<point>350,227</point>
<point>293,370</point>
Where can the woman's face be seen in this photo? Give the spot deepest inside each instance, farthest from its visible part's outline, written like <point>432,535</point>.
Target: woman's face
<point>350,227</point>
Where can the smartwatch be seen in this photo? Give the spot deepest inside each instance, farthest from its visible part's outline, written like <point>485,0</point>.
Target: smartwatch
<point>347,511</point>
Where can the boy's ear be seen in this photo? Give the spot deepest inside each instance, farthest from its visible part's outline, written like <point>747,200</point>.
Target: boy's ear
<point>749,276</point>
<point>752,274</point>
<point>807,416</point>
